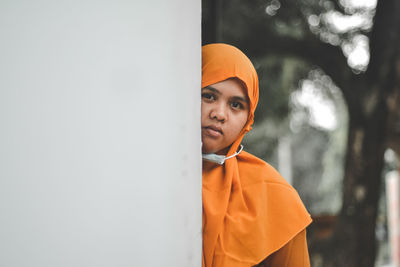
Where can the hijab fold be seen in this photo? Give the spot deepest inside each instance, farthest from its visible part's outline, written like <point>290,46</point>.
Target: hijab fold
<point>249,210</point>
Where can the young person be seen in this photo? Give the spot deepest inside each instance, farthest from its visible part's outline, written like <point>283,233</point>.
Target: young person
<point>251,215</point>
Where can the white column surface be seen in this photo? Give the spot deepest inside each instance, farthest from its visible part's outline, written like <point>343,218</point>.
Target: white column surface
<point>100,133</point>
<point>285,158</point>
<point>392,195</point>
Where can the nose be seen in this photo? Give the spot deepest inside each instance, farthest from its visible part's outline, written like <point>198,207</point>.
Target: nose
<point>219,113</point>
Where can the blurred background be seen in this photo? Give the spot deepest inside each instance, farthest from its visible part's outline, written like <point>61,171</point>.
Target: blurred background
<point>329,113</point>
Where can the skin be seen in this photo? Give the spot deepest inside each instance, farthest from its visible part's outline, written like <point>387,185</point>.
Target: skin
<point>224,113</point>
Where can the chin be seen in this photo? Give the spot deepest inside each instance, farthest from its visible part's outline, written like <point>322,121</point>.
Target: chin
<point>207,150</point>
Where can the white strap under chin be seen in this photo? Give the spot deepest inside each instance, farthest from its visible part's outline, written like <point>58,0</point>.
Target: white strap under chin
<point>220,159</point>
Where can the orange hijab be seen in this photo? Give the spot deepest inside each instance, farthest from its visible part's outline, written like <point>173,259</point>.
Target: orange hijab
<point>249,210</point>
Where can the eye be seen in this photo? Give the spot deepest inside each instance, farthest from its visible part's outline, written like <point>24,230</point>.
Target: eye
<point>208,96</point>
<point>237,105</point>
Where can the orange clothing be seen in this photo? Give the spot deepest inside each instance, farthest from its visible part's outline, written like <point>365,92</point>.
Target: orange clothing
<point>293,254</point>
<point>249,211</point>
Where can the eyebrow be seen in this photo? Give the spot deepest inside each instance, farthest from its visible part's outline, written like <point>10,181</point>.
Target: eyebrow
<point>212,89</point>
<point>218,92</point>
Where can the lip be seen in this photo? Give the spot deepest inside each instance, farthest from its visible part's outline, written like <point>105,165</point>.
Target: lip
<point>213,130</point>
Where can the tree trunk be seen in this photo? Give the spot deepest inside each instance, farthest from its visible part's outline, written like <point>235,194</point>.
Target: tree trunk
<point>354,235</point>
<point>353,242</point>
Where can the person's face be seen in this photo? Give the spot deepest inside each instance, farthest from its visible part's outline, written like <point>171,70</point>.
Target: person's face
<point>224,113</point>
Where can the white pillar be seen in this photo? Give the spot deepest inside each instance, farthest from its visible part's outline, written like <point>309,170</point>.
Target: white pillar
<point>285,158</point>
<point>392,194</point>
<point>100,133</point>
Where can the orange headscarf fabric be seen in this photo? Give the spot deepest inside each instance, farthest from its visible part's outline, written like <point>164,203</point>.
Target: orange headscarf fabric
<point>249,210</point>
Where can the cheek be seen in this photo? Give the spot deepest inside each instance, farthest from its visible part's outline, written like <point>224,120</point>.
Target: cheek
<point>243,121</point>
<point>203,111</point>
<point>239,125</point>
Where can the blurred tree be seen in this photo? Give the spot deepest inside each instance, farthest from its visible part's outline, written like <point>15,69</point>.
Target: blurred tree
<point>303,30</point>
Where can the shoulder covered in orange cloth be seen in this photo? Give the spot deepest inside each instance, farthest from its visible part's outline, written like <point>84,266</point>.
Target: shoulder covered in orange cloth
<point>250,213</point>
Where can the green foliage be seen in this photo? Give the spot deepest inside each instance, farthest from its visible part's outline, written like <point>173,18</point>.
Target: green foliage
<point>279,77</point>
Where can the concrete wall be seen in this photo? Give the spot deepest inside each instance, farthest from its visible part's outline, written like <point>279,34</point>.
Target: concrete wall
<point>100,133</point>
